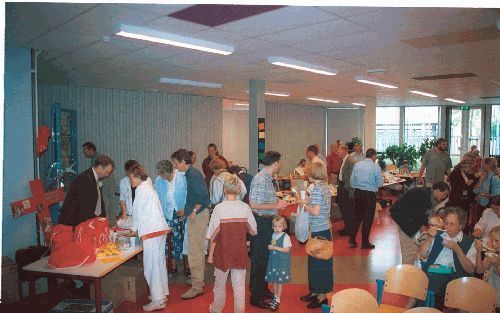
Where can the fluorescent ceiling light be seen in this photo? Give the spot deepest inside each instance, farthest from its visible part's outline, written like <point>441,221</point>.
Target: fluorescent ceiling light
<point>152,35</point>
<point>274,93</point>
<point>361,79</point>
<point>358,104</point>
<point>322,100</point>
<point>277,94</point>
<point>455,100</point>
<point>423,93</point>
<point>299,65</point>
<point>242,104</point>
<point>175,81</point>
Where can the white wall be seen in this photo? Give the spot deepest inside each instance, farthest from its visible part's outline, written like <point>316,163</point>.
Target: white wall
<point>344,124</point>
<point>235,136</point>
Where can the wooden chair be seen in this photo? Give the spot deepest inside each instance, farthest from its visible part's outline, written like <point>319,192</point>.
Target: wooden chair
<point>353,300</point>
<point>423,310</point>
<point>470,294</point>
<point>406,280</point>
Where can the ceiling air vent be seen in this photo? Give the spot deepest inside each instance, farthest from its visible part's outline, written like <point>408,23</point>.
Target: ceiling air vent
<point>445,76</point>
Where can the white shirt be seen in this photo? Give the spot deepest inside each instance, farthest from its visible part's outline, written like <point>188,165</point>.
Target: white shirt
<point>488,220</point>
<point>126,193</point>
<point>342,166</point>
<point>446,256</point>
<point>147,211</point>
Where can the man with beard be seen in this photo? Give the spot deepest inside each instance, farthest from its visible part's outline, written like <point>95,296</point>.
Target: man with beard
<point>436,163</point>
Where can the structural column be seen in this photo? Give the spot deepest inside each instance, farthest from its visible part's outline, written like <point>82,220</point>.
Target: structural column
<point>370,124</point>
<point>257,124</point>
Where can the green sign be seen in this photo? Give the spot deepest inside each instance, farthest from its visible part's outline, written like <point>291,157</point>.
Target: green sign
<point>465,108</point>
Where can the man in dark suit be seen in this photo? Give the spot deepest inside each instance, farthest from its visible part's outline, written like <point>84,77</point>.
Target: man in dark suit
<point>83,200</point>
<point>345,193</point>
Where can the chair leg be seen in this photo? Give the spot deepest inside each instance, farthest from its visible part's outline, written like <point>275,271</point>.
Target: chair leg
<point>380,289</point>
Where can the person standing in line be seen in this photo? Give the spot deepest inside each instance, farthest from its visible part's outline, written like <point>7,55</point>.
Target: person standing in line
<point>170,184</point>
<point>265,206</point>
<point>312,155</point>
<point>196,212</point>
<point>358,152</point>
<point>333,161</point>
<point>345,197</point>
<point>150,225</point>
<point>320,156</point>
<point>127,193</point>
<point>213,153</point>
<point>278,266</point>
<point>108,185</point>
<point>366,178</point>
<point>436,163</point>
<point>229,224</point>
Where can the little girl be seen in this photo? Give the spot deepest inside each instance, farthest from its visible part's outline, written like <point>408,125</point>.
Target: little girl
<point>278,266</point>
<point>491,263</point>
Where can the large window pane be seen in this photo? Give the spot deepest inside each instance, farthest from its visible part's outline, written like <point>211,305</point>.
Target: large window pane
<point>495,131</point>
<point>387,127</point>
<point>421,123</point>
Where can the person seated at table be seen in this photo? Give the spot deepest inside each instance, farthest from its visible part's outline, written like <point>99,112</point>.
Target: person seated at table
<point>490,265</point>
<point>405,168</point>
<point>150,225</point>
<point>489,220</point>
<point>450,254</point>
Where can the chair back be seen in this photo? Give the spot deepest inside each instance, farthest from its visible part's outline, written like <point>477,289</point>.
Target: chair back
<point>353,300</point>
<point>470,294</point>
<point>423,310</point>
<point>406,280</point>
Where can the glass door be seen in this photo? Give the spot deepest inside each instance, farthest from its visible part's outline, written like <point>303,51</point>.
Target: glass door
<point>464,129</point>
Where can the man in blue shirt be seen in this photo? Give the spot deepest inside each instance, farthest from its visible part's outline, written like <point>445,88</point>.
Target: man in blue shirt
<point>366,178</point>
<point>196,212</point>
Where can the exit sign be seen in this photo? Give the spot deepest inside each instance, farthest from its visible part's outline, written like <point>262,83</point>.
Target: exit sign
<point>465,108</point>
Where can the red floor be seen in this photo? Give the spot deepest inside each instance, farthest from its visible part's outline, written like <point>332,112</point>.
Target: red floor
<point>383,235</point>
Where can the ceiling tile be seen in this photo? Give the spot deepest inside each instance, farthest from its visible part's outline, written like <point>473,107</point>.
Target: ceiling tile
<point>220,36</point>
<point>349,11</point>
<point>160,9</point>
<point>172,25</point>
<point>58,42</point>
<point>325,31</point>
<point>105,19</point>
<point>37,18</point>
<point>278,20</point>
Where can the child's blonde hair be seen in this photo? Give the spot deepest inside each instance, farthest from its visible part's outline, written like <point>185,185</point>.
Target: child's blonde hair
<point>280,219</point>
<point>495,231</point>
<point>436,221</point>
<point>231,184</point>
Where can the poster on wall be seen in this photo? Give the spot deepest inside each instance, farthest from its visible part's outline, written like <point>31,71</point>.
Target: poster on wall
<point>261,141</point>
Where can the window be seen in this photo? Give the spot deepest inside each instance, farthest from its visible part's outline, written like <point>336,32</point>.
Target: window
<point>495,131</point>
<point>420,123</point>
<point>387,127</point>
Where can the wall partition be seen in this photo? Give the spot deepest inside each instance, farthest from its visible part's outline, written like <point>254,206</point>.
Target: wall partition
<point>129,124</point>
<point>344,124</point>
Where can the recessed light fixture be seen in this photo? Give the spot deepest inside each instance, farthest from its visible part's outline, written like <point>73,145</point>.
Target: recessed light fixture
<point>152,35</point>
<point>363,80</point>
<point>423,93</point>
<point>242,104</point>
<point>175,81</point>
<point>303,66</point>
<point>454,100</point>
<point>322,100</point>
<point>358,104</point>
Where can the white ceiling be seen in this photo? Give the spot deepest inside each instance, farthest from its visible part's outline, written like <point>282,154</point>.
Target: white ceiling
<point>349,39</point>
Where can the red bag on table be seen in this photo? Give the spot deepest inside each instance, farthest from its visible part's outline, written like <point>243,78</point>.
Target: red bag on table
<point>65,252</point>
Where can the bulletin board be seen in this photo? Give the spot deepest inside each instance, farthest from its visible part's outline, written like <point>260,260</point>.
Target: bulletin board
<point>261,141</point>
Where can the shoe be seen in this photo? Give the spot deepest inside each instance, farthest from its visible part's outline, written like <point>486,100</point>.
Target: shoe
<point>259,303</point>
<point>317,304</point>
<point>154,305</point>
<point>352,243</point>
<point>308,297</point>
<point>367,245</point>
<point>273,305</point>
<point>192,293</point>
<point>268,295</point>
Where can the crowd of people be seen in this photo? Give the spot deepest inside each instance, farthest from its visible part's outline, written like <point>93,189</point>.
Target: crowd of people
<point>211,216</point>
